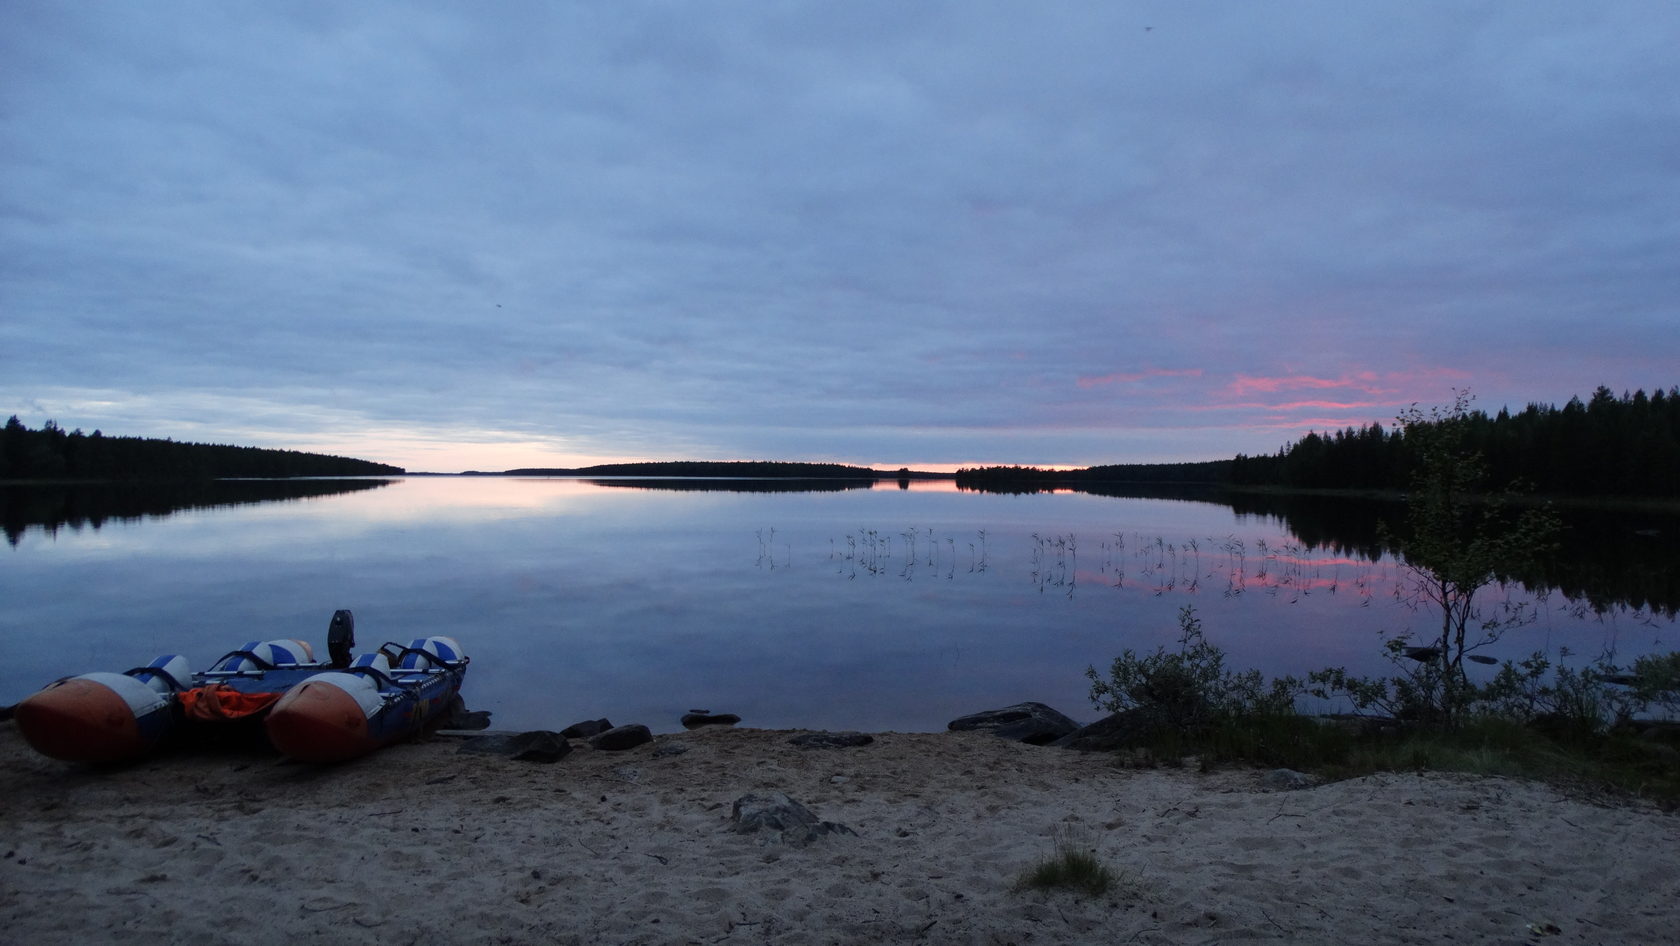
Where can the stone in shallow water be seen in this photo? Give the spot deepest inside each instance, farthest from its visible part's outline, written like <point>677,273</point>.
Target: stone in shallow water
<point>694,719</point>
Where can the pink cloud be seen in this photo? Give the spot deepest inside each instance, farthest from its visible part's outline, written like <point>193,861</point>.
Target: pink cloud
<point>1299,405</point>
<point>1386,385</point>
<point>1332,405</point>
<point>1363,381</point>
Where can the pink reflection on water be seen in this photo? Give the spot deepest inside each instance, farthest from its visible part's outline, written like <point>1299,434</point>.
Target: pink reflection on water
<point>431,497</point>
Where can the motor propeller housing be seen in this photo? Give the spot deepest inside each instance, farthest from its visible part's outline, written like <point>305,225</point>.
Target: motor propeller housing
<point>341,637</point>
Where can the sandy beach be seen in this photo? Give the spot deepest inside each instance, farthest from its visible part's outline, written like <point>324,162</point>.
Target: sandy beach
<point>423,843</point>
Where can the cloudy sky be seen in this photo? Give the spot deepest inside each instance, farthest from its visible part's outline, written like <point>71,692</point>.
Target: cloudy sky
<point>466,235</point>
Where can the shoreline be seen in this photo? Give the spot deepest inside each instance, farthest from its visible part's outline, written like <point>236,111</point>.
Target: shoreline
<point>420,841</point>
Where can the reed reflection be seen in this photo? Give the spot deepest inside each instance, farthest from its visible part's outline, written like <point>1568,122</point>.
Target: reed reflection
<point>1611,557</point>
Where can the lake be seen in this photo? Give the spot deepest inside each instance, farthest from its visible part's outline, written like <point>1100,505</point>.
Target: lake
<point>889,606</point>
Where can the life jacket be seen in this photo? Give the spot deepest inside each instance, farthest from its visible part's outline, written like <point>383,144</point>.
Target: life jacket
<point>218,701</point>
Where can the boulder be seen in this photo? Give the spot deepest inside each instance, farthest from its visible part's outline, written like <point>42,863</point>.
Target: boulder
<point>539,746</point>
<point>620,738</point>
<point>535,746</point>
<point>1120,730</point>
<point>465,720</point>
<point>587,728</point>
<point>694,719</point>
<point>832,740</point>
<point>784,820</point>
<point>1032,723</point>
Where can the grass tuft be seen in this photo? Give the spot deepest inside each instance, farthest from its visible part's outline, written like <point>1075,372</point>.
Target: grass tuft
<point>1073,867</point>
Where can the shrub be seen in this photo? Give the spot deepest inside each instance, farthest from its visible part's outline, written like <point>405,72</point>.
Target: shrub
<point>1534,691</point>
<point>1189,688</point>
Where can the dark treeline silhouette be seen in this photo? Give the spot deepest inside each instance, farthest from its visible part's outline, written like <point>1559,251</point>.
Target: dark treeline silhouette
<point>52,506</point>
<point>1626,446</point>
<point>740,469</point>
<point>1094,479</point>
<point>1608,446</point>
<point>52,454</point>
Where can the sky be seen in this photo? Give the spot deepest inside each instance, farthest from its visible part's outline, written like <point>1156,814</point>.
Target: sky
<point>483,236</point>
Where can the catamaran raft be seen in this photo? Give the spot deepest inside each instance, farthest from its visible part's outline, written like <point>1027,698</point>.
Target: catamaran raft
<point>311,710</point>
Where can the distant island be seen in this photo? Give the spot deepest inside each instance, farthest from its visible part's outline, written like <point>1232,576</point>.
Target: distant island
<point>723,469</point>
<point>51,453</point>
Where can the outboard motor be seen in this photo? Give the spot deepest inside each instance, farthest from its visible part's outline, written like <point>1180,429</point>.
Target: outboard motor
<point>341,637</point>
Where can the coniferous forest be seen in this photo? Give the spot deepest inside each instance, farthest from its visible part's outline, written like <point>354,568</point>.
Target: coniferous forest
<point>1625,446</point>
<point>52,454</point>
<point>715,469</point>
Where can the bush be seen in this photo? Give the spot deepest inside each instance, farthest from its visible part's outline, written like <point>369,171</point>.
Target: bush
<point>1567,702</point>
<point>1190,688</point>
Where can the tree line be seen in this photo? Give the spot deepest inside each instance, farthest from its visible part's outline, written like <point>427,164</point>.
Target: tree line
<point>51,453</point>
<point>725,469</point>
<point>1609,445</point>
<point>1032,479</point>
<point>1627,445</point>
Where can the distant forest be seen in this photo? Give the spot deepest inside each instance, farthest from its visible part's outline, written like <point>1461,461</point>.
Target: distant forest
<point>1627,446</point>
<point>52,454</point>
<point>744,469</point>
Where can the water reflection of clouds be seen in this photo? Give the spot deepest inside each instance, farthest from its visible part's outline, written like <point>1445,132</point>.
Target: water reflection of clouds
<point>578,600</point>
<point>405,505</point>
<point>437,497</point>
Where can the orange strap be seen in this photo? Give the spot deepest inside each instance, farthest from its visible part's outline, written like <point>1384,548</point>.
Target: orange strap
<point>218,701</point>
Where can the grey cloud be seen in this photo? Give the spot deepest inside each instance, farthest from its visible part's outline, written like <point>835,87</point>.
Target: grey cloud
<point>917,226</point>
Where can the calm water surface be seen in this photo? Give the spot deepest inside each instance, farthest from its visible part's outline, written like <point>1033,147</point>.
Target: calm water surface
<point>873,608</point>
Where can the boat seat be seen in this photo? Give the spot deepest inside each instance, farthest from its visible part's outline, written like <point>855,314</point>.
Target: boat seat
<point>289,653</point>
<point>277,653</point>
<point>411,662</point>
<point>167,674</point>
<point>237,663</point>
<point>375,660</point>
<point>443,648</point>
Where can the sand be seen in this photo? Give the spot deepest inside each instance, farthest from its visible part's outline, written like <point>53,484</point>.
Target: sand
<point>421,844</point>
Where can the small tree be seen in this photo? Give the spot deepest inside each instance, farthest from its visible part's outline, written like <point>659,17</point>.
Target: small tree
<point>1459,539</point>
